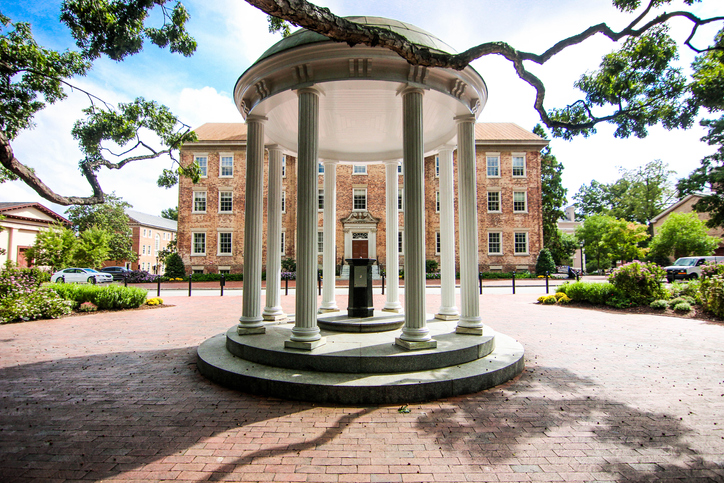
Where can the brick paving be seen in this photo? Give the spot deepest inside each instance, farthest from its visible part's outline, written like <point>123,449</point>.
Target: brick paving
<point>604,397</point>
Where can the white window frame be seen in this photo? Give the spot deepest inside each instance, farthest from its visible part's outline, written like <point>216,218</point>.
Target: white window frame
<point>223,156</point>
<point>205,200</point>
<point>320,242</point>
<point>438,243</point>
<point>284,165</point>
<point>231,244</point>
<point>488,159</point>
<point>437,202</point>
<point>500,242</point>
<point>320,168</point>
<point>515,243</point>
<point>284,239</point>
<point>400,243</point>
<point>194,252</point>
<point>143,249</point>
<point>359,169</point>
<point>437,165</point>
<point>399,167</point>
<point>158,244</point>
<point>232,201</point>
<point>320,199</point>
<point>525,201</point>
<point>499,210</point>
<point>354,190</point>
<point>400,201</point>
<point>203,167</point>
<point>525,165</point>
<point>284,201</point>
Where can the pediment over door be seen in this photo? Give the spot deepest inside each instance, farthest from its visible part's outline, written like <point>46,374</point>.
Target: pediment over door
<point>360,218</point>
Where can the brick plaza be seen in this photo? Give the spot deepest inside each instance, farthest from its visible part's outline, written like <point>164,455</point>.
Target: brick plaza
<point>604,397</point>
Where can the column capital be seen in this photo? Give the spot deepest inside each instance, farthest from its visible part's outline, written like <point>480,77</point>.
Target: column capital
<point>273,147</point>
<point>447,147</point>
<point>410,89</point>
<point>311,89</point>
<point>330,162</point>
<point>255,118</point>
<point>465,118</point>
<point>394,162</point>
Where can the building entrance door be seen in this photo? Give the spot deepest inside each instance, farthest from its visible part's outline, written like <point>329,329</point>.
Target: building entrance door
<point>360,248</point>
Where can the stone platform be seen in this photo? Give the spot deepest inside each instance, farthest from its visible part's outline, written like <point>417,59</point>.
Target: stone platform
<point>361,368</point>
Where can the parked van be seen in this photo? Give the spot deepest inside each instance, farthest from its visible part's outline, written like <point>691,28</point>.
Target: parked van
<point>688,268</point>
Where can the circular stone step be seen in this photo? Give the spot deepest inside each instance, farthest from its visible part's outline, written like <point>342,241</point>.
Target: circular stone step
<point>376,323</point>
<point>219,365</point>
<point>374,352</point>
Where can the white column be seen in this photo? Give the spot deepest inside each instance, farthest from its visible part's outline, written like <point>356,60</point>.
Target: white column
<point>470,321</point>
<point>392,304</point>
<point>305,334</point>
<point>448,310</point>
<point>415,333</point>
<point>329,304</point>
<point>273,309</point>
<point>251,321</point>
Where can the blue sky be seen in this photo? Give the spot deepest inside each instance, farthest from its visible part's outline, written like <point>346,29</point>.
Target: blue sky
<point>231,35</point>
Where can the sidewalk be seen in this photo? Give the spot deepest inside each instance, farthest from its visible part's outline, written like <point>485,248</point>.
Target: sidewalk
<point>604,397</point>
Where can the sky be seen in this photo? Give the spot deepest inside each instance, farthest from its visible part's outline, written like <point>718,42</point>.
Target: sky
<point>231,35</point>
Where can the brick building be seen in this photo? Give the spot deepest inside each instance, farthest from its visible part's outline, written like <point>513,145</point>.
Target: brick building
<point>149,234</point>
<point>211,212</point>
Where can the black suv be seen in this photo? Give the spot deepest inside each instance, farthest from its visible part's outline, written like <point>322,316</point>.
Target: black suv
<point>119,273</point>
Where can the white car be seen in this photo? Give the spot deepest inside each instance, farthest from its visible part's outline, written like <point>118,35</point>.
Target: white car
<point>81,275</point>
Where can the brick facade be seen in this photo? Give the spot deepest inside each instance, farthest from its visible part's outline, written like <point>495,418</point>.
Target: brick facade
<point>501,141</point>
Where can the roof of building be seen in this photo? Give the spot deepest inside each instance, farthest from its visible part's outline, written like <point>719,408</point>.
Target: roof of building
<point>673,207</point>
<point>412,33</point>
<point>152,221</point>
<point>7,206</point>
<point>485,132</point>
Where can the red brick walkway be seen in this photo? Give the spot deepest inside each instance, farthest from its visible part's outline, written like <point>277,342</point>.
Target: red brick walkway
<point>604,397</point>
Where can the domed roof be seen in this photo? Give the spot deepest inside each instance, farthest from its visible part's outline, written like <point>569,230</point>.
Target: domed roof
<point>410,32</point>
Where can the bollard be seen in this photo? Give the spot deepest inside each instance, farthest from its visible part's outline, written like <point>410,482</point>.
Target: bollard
<point>578,276</point>
<point>286,286</point>
<point>125,280</point>
<point>222,282</point>
<point>383,283</point>
<point>319,283</point>
<point>191,275</point>
<point>513,282</point>
<point>480,282</point>
<point>547,282</point>
<point>158,287</point>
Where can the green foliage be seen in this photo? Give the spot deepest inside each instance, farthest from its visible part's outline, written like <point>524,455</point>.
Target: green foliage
<point>674,302</point>
<point>92,248</point>
<point>623,238</point>
<point>683,235</point>
<point>640,282</point>
<point>42,303</point>
<point>215,277</point>
<point>111,297</point>
<point>170,213</point>
<point>659,304</point>
<point>712,294</point>
<point>553,197</point>
<point>682,307</point>
<point>591,233</point>
<point>111,217</point>
<point>175,266</point>
<point>591,292</point>
<point>431,266</point>
<point>690,289</point>
<point>620,300</point>
<point>545,263</point>
<point>289,265</point>
<point>279,25</point>
<point>87,307</point>
<point>54,247</point>
<point>17,282</point>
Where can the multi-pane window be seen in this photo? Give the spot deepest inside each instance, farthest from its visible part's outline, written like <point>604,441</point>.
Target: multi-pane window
<point>493,166</point>
<point>284,201</point>
<point>320,168</point>
<point>226,166</point>
<point>203,163</point>
<point>399,242</point>
<point>399,167</point>
<point>399,200</point>
<point>199,201</point>
<point>143,250</point>
<point>493,200</point>
<point>521,243</point>
<point>519,166</point>
<point>437,166</point>
<point>438,242</point>
<point>198,247</point>
<point>359,169</point>
<point>224,243</point>
<point>495,244</point>
<point>519,201</point>
<point>320,242</point>
<point>437,202</point>
<point>284,236</point>
<point>320,200</point>
<point>284,166</point>
<point>359,199</point>
<point>158,243</point>
<point>226,201</point>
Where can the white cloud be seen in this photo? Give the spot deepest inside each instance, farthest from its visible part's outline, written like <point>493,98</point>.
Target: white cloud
<point>199,106</point>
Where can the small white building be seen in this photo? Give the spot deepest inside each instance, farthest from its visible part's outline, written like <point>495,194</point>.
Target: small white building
<point>20,226</point>
<point>568,224</point>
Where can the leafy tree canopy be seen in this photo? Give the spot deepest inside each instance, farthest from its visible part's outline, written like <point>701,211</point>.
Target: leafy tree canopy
<point>553,197</point>
<point>170,213</point>
<point>683,235</point>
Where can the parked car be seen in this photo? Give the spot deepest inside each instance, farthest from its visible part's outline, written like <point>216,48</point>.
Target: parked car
<point>81,275</point>
<point>688,268</point>
<point>119,273</point>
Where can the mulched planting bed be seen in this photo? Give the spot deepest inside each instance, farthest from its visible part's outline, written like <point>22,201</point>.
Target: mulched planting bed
<point>697,312</point>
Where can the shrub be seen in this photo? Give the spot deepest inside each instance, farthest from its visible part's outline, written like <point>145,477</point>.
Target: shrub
<point>140,276</point>
<point>431,266</point>
<point>591,292</point>
<point>639,282</point>
<point>289,265</point>
<point>682,307</point>
<point>15,282</point>
<point>659,304</point>
<point>562,298</point>
<point>710,269</point>
<point>87,307</point>
<point>39,304</point>
<point>712,294</point>
<point>545,263</point>
<point>112,297</point>
<point>678,300</point>
<point>155,301</point>
<point>689,288</point>
<point>175,266</point>
<point>620,300</point>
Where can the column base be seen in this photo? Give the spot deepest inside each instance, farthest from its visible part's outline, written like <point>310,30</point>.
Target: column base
<point>395,310</point>
<point>469,330</point>
<point>447,316</point>
<point>326,310</point>
<point>416,345</point>
<point>274,317</point>
<point>250,330</point>
<point>307,346</point>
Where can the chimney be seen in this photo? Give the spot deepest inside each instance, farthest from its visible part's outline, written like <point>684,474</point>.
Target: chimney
<point>571,213</point>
